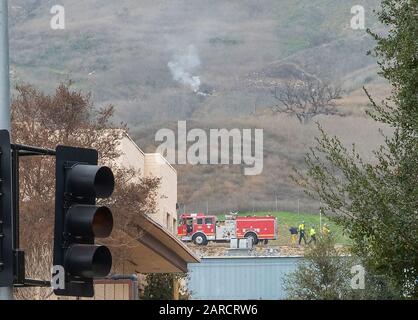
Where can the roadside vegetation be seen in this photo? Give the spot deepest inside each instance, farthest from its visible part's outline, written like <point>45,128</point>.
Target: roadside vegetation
<point>376,202</point>
<point>325,275</point>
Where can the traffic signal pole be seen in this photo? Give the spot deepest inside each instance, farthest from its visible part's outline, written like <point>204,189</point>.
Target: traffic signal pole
<point>6,293</point>
<point>78,220</point>
<point>4,68</point>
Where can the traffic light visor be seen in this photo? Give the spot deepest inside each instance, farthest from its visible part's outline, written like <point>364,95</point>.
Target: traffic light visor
<point>90,261</point>
<point>91,181</point>
<point>89,221</point>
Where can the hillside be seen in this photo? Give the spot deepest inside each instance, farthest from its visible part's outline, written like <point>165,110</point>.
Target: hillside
<point>121,50</point>
<point>223,187</point>
<point>213,63</point>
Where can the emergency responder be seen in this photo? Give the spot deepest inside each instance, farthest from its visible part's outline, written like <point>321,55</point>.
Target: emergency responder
<point>301,230</point>
<point>325,230</point>
<point>293,235</point>
<point>189,226</point>
<point>312,235</point>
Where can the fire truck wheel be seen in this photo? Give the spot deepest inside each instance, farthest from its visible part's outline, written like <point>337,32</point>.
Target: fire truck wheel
<point>253,237</point>
<point>200,239</point>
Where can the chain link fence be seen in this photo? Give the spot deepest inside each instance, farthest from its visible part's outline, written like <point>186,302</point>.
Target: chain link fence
<point>250,205</point>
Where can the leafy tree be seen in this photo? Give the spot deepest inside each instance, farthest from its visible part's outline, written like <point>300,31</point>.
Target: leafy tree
<point>325,274</point>
<point>322,275</point>
<point>377,202</point>
<point>160,286</point>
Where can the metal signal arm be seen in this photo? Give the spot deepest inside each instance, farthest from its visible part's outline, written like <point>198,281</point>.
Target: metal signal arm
<point>18,151</point>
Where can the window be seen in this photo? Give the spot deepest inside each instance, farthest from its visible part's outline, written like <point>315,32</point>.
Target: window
<point>200,221</point>
<point>174,225</point>
<point>208,220</point>
<point>168,221</point>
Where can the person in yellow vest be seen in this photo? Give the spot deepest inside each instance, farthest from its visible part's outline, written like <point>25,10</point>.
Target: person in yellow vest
<point>293,235</point>
<point>312,235</point>
<point>325,230</point>
<point>301,230</point>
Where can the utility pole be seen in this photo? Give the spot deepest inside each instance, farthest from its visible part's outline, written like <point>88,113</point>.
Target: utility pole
<point>6,293</point>
<point>277,205</point>
<point>320,219</point>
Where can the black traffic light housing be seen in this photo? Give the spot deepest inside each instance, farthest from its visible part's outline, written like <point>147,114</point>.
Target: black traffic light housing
<point>78,221</point>
<point>6,227</point>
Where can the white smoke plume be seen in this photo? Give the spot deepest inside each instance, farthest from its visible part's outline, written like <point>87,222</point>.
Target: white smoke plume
<point>183,65</point>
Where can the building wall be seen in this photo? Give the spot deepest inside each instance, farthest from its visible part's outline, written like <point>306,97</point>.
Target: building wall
<point>131,155</point>
<point>157,166</point>
<point>107,289</point>
<point>153,165</point>
<point>235,278</point>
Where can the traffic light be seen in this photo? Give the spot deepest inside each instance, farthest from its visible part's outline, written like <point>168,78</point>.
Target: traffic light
<point>6,233</point>
<point>78,221</point>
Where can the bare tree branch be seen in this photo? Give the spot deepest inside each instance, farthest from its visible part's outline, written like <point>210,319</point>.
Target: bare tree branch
<point>69,117</point>
<point>306,99</point>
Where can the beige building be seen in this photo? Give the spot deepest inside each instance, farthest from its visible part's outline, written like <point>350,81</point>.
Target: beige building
<point>157,166</point>
<point>154,165</point>
<point>158,249</point>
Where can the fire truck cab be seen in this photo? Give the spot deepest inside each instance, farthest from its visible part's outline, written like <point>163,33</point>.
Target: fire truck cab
<point>201,228</point>
<point>197,227</point>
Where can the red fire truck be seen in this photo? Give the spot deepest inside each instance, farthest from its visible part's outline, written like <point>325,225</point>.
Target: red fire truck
<point>201,228</point>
